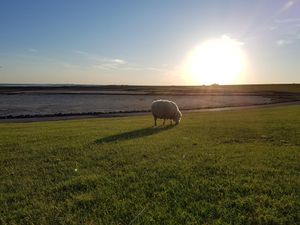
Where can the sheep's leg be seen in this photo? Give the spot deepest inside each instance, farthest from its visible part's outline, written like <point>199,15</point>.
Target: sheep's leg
<point>155,121</point>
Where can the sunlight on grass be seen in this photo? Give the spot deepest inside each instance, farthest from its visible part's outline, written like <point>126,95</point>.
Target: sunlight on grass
<point>238,167</point>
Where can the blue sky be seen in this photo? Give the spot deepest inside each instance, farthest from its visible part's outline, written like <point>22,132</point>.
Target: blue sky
<point>142,42</point>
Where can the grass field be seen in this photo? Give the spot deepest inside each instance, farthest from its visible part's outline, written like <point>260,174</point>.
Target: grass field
<point>234,167</point>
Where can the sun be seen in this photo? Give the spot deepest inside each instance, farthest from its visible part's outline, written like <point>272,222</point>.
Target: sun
<point>216,61</point>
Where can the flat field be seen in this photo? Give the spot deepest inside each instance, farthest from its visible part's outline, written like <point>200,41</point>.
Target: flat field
<point>233,167</point>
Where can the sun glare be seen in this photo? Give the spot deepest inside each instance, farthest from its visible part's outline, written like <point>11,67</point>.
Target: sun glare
<point>219,61</point>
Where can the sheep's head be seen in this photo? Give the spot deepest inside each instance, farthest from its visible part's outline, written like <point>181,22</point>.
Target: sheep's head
<point>177,117</point>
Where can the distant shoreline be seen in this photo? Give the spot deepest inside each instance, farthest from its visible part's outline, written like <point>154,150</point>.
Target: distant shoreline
<point>149,89</point>
<point>91,95</point>
<point>74,116</point>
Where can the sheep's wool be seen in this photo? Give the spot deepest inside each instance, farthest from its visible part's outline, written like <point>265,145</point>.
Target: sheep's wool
<point>165,109</point>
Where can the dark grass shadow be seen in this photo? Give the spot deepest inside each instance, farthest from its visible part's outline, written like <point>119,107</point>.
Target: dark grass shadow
<point>134,134</point>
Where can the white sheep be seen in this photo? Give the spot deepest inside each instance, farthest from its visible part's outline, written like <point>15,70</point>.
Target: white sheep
<point>165,109</point>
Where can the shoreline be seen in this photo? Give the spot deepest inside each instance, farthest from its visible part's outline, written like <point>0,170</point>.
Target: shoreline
<point>87,115</point>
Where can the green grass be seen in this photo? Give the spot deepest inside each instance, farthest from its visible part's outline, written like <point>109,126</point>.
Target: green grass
<point>238,167</point>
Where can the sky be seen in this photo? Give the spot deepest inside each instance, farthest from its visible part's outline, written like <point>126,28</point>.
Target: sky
<point>143,42</point>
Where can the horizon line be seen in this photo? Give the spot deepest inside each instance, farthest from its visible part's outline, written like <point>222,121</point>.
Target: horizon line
<point>83,84</point>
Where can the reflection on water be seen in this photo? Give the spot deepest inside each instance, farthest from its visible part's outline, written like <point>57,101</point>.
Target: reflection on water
<point>29,104</point>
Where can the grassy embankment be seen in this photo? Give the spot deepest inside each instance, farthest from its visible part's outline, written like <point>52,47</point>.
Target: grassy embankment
<point>239,167</point>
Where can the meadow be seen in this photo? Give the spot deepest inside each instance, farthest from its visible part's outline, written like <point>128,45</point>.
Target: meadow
<point>231,167</point>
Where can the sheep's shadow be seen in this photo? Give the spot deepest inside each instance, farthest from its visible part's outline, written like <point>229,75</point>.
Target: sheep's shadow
<point>134,134</point>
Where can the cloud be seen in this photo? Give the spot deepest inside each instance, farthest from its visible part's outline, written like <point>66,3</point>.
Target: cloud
<point>109,64</point>
<point>86,55</point>
<point>33,50</point>
<point>70,65</point>
<point>287,5</point>
<point>119,64</point>
<point>155,69</point>
<point>96,61</point>
<point>282,42</point>
<point>231,40</point>
<point>119,61</point>
<point>288,20</point>
<point>271,28</point>
<point>81,52</point>
<point>287,30</point>
<point>99,62</point>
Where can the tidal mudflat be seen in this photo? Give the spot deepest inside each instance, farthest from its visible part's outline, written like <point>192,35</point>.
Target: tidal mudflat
<point>52,100</point>
<point>35,104</point>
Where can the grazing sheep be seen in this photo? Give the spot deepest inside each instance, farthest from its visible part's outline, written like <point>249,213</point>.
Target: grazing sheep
<point>164,109</point>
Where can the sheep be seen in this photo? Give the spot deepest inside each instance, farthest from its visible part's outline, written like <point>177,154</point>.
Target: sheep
<point>165,109</point>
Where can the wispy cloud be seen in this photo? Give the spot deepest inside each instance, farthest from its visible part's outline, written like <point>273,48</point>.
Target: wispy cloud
<point>100,62</point>
<point>86,55</point>
<point>81,52</point>
<point>287,5</point>
<point>271,28</point>
<point>33,50</point>
<point>136,67</point>
<point>119,61</point>
<point>283,42</point>
<point>288,20</point>
<point>110,63</point>
<point>227,38</point>
<point>287,29</point>
<point>70,65</point>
